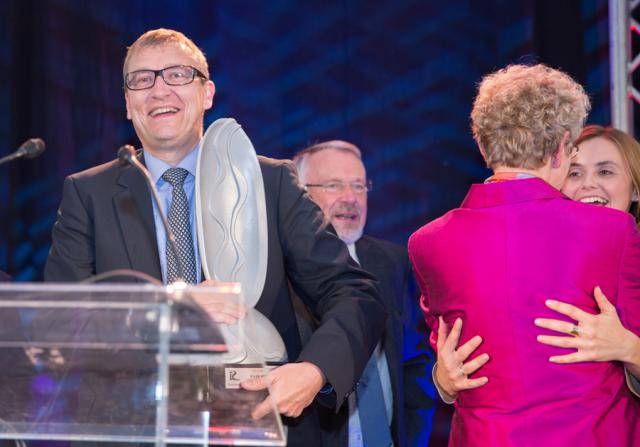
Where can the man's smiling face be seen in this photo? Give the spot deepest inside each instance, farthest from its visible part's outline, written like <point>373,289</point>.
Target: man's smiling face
<point>346,208</point>
<point>168,118</point>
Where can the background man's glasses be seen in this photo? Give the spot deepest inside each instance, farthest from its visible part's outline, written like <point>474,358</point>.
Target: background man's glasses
<point>176,75</point>
<point>339,187</point>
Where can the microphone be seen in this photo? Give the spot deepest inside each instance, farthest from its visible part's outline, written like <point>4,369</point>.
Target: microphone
<point>128,155</point>
<point>29,149</point>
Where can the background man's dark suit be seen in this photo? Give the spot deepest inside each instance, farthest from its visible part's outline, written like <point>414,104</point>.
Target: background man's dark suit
<point>4,277</point>
<point>105,222</point>
<point>405,345</point>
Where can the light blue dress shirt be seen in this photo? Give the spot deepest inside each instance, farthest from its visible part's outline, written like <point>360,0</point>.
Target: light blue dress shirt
<point>156,168</point>
<point>355,426</point>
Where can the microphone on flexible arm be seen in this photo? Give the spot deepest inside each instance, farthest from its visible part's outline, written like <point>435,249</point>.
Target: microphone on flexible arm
<point>29,149</point>
<point>128,155</point>
<point>209,332</point>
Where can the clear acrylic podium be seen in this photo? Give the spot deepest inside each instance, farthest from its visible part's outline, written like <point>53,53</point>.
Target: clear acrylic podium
<point>127,363</point>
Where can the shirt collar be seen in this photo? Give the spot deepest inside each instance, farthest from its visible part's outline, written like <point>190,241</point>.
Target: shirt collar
<point>352,251</point>
<point>157,167</point>
<point>509,175</point>
<point>503,193</point>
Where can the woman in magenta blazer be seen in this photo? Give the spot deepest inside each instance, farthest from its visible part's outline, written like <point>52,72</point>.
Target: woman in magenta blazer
<point>515,242</point>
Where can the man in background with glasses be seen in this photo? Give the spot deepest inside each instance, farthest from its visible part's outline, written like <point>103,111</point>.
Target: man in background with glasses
<point>107,221</point>
<point>394,400</point>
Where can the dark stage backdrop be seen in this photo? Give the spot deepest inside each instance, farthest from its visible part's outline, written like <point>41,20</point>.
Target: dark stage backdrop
<point>397,78</point>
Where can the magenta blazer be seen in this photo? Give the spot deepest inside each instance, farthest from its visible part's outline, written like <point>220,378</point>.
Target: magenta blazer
<point>493,262</point>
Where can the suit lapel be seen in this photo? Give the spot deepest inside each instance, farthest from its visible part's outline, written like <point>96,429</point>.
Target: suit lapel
<point>376,261</point>
<point>134,212</point>
<point>372,260</point>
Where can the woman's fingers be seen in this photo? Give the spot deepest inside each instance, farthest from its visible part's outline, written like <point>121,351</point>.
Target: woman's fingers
<point>443,331</point>
<point>466,349</point>
<point>475,383</point>
<point>560,342</point>
<point>451,373</point>
<point>568,310</point>
<point>452,339</point>
<point>570,358</point>
<point>554,325</point>
<point>464,382</point>
<point>603,303</point>
<point>475,364</point>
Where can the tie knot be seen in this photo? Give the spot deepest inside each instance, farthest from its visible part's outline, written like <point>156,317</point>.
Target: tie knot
<point>175,176</point>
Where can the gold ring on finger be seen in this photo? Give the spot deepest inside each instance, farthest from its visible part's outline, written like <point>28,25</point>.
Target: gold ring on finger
<point>575,330</point>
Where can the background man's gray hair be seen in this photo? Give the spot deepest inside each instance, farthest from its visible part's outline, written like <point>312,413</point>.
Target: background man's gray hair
<point>302,157</point>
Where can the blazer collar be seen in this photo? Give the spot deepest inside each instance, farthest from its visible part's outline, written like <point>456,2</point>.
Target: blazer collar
<point>362,245</point>
<point>511,191</point>
<point>134,212</point>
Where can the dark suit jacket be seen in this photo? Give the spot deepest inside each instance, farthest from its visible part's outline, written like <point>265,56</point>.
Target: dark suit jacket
<point>105,222</point>
<point>4,277</point>
<point>405,345</point>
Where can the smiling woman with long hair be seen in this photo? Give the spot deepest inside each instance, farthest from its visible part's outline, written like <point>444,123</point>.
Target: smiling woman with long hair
<point>605,172</point>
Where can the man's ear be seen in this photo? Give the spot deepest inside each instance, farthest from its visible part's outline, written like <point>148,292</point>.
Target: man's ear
<point>126,101</point>
<point>209,93</point>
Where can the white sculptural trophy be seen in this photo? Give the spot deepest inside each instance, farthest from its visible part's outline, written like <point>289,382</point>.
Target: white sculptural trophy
<point>231,220</point>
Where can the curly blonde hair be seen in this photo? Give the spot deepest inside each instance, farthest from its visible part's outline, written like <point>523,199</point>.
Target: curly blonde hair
<point>163,36</point>
<point>521,114</point>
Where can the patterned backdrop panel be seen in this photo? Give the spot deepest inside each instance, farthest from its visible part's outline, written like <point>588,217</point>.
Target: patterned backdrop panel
<point>395,78</point>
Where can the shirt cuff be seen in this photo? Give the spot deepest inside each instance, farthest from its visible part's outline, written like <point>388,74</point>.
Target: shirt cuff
<point>632,382</point>
<point>443,395</point>
<point>326,389</point>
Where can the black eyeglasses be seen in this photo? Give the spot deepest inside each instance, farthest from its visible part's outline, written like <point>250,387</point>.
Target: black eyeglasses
<point>175,75</point>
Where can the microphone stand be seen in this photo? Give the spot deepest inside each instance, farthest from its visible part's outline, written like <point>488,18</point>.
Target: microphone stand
<point>8,158</point>
<point>127,154</point>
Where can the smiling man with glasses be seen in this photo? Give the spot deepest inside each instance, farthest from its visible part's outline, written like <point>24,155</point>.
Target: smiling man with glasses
<point>107,221</point>
<point>167,114</point>
<point>398,409</point>
<point>334,176</point>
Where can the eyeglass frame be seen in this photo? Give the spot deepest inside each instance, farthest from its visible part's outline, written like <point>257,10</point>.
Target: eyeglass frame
<point>367,186</point>
<point>194,72</point>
